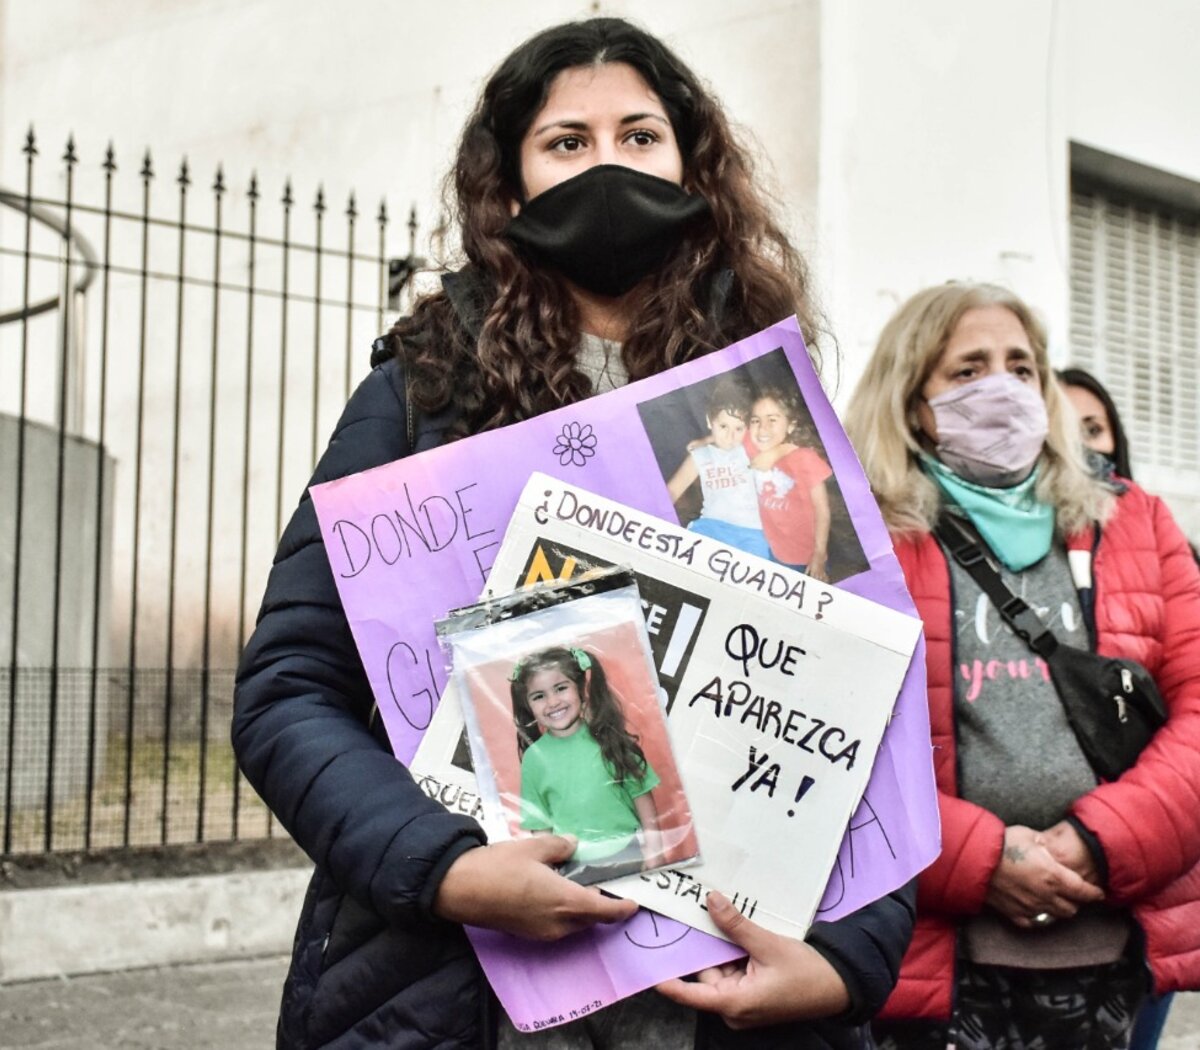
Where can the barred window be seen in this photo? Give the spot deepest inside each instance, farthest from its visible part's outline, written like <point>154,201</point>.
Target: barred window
<point>1134,270</point>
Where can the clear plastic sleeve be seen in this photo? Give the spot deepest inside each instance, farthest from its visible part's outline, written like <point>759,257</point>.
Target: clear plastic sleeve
<point>566,724</point>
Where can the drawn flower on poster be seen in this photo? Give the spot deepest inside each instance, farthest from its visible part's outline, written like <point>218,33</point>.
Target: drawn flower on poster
<point>576,444</point>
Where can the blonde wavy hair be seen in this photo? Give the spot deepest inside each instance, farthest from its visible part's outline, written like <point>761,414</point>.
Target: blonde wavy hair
<point>883,425</point>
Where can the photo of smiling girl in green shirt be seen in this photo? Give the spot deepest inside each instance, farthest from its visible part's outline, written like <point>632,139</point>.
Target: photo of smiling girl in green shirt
<point>583,773</point>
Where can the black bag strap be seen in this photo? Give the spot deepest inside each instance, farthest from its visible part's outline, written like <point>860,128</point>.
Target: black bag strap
<point>1015,612</point>
<point>381,351</point>
<point>410,416</point>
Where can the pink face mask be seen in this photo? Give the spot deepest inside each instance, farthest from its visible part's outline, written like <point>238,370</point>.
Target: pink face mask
<point>991,431</point>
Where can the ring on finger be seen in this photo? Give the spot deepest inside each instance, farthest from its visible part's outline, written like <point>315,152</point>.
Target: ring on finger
<point>1042,918</point>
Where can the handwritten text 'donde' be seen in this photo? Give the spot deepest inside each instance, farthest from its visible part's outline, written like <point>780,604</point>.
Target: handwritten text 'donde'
<point>418,527</point>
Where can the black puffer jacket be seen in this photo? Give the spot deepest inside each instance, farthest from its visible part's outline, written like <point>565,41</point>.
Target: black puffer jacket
<point>372,966</point>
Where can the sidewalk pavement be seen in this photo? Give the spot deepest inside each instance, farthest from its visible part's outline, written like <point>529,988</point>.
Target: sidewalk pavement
<point>225,1006</point>
<point>204,1006</point>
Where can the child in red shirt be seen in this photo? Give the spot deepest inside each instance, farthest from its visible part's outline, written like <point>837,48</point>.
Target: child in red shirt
<point>790,481</point>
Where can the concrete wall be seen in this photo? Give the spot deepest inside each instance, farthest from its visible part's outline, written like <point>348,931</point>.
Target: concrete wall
<point>907,143</point>
<point>68,930</point>
<point>76,608</point>
<point>945,147</point>
<point>368,95</point>
<point>83,466</point>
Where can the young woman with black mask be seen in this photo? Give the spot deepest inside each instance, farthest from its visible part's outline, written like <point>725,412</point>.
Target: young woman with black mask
<point>1099,420</point>
<point>611,228</point>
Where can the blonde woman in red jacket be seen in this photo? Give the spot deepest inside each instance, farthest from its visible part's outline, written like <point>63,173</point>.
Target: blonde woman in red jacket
<point>1058,901</point>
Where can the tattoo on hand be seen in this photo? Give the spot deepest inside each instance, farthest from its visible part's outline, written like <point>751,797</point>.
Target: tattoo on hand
<point>1014,853</point>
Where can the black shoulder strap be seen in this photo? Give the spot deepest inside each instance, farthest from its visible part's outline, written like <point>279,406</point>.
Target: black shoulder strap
<point>409,412</point>
<point>381,351</point>
<point>964,549</point>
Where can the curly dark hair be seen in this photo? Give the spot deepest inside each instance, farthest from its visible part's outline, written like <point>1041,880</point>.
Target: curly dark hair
<point>729,395</point>
<point>523,361</point>
<point>789,400</point>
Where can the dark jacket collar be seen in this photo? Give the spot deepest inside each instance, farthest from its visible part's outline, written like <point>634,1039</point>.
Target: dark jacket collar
<point>470,295</point>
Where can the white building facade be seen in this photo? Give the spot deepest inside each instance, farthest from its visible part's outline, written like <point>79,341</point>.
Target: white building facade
<point>1047,144</point>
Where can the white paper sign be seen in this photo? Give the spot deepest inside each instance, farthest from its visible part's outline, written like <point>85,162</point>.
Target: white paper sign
<point>779,688</point>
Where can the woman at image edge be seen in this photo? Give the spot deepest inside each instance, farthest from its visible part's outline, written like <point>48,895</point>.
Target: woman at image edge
<point>1054,898</point>
<point>611,229</point>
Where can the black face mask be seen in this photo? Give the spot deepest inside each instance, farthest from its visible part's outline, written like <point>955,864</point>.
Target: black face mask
<point>1102,463</point>
<point>607,228</point>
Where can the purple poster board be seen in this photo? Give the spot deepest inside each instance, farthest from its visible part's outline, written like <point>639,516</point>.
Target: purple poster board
<point>410,540</point>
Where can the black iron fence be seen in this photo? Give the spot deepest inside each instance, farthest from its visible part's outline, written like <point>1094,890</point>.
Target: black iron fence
<point>173,353</point>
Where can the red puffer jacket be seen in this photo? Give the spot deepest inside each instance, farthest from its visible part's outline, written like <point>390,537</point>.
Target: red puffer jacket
<point>1147,607</point>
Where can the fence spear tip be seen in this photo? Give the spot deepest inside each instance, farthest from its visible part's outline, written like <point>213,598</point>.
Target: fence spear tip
<point>147,171</point>
<point>184,179</point>
<point>253,191</point>
<point>110,158</point>
<point>30,148</point>
<point>69,156</point>
<point>319,204</point>
<point>351,208</point>
<point>288,199</point>
<point>219,183</point>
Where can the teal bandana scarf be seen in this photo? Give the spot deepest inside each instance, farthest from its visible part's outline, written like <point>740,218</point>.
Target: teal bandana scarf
<point>1014,523</point>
